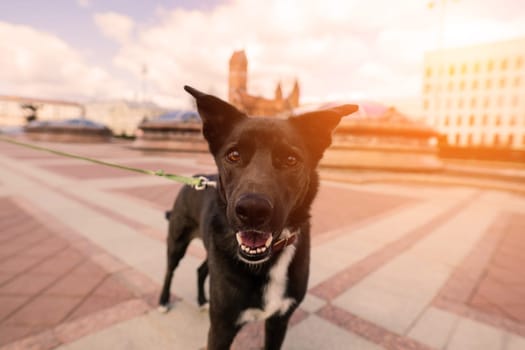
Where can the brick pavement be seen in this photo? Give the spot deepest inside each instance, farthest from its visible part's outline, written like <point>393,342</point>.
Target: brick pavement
<point>393,266</point>
<point>48,279</point>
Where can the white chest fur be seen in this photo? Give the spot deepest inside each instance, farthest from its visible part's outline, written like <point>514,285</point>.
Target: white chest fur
<point>273,297</point>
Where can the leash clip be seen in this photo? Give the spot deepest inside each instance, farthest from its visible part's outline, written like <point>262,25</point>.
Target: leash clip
<point>204,183</point>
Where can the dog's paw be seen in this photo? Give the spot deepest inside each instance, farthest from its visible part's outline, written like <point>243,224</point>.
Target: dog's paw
<point>163,308</point>
<point>204,307</point>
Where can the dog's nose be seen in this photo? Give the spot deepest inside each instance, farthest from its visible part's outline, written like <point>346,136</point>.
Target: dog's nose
<point>253,210</point>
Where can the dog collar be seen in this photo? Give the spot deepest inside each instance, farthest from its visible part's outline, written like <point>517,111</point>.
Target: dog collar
<point>283,242</point>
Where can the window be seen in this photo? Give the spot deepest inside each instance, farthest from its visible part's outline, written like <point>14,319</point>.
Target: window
<point>469,139</point>
<point>458,138</point>
<point>474,85</point>
<point>451,70</point>
<point>514,101</point>
<point>425,104</point>
<point>498,120</point>
<point>503,65</point>
<point>512,121</point>
<point>517,81</point>
<point>471,120</point>
<point>476,67</point>
<point>490,66</point>
<point>486,102</point>
<point>458,120</point>
<point>502,83</point>
<point>519,62</point>
<point>488,84</point>
<point>485,120</point>
<point>482,139</point>
<point>496,140</point>
<point>510,140</point>
<point>473,102</point>
<point>447,121</point>
<point>462,85</point>
<point>460,103</point>
<point>463,68</point>
<point>428,72</point>
<point>450,86</point>
<point>500,101</point>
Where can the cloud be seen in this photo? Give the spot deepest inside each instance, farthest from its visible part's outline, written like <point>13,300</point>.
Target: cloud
<point>40,64</point>
<point>336,49</point>
<point>114,26</point>
<point>84,3</point>
<point>284,40</point>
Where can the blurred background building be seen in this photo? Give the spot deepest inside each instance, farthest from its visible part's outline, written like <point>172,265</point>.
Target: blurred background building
<point>475,95</point>
<point>122,117</point>
<point>17,111</point>
<point>255,105</point>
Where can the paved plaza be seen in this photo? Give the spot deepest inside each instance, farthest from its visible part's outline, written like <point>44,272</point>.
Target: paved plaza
<point>394,265</point>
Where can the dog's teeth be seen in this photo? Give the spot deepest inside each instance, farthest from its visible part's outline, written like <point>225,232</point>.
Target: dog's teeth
<point>238,236</point>
<point>249,250</point>
<point>268,242</point>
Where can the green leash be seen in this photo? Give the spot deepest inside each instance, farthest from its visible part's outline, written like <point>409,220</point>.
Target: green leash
<point>198,183</point>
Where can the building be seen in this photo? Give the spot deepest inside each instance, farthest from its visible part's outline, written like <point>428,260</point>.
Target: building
<point>17,111</point>
<point>378,137</point>
<point>476,95</point>
<point>256,105</point>
<point>176,130</point>
<point>122,117</point>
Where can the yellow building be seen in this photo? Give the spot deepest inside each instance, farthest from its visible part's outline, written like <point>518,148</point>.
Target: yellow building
<point>476,95</point>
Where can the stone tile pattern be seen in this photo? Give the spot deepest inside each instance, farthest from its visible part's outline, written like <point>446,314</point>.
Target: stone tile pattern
<point>344,280</point>
<point>48,285</point>
<point>160,196</point>
<point>46,280</point>
<point>501,290</point>
<point>489,284</point>
<point>368,330</point>
<point>335,208</point>
<point>89,171</point>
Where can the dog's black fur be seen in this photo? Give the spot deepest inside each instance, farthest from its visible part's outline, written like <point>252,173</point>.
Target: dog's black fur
<point>266,183</point>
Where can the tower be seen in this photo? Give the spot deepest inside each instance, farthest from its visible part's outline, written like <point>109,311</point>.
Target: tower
<point>294,95</point>
<point>238,75</point>
<point>278,92</point>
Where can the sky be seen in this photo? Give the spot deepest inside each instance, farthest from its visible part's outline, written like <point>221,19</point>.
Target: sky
<point>84,50</point>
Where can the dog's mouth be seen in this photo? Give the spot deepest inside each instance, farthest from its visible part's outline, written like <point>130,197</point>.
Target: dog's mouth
<point>254,246</point>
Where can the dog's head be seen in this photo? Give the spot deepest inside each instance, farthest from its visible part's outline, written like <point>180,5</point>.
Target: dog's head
<point>267,176</point>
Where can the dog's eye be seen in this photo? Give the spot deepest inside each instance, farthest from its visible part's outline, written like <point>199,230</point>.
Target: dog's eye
<point>233,156</point>
<point>291,160</point>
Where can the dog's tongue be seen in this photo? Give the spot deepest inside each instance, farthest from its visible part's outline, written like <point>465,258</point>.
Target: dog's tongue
<point>254,239</point>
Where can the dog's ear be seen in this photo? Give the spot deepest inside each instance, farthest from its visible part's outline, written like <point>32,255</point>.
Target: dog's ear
<point>316,127</point>
<point>218,117</point>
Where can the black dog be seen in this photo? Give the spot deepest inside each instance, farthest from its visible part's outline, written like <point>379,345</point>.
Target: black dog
<point>255,224</point>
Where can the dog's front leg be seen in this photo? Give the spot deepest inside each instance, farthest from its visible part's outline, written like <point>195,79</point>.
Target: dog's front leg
<point>275,331</point>
<point>223,329</point>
